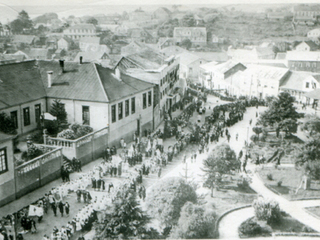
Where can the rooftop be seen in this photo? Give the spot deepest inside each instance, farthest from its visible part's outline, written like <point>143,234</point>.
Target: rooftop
<point>83,26</point>
<point>148,59</point>
<point>93,40</point>
<point>303,56</point>
<point>187,58</point>
<point>294,80</point>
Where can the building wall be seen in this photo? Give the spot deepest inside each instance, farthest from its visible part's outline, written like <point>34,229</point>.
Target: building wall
<point>76,34</point>
<point>98,112</point>
<point>127,126</point>
<point>19,108</point>
<point>7,184</point>
<point>303,47</point>
<point>309,66</point>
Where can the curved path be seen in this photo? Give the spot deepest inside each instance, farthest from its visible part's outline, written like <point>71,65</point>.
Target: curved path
<point>229,224</point>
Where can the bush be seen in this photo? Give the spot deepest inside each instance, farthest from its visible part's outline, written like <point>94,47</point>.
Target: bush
<point>279,183</point>
<point>52,127</point>
<point>165,200</point>
<point>75,131</point>
<point>254,138</point>
<point>313,167</point>
<point>195,222</point>
<point>251,228</point>
<point>37,137</point>
<point>269,176</point>
<point>6,124</point>
<point>32,152</point>
<point>83,130</point>
<point>267,210</point>
<point>67,134</point>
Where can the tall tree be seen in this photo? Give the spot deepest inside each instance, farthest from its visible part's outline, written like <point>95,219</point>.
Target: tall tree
<point>221,160</point>
<point>58,110</point>
<point>188,20</point>
<point>23,21</point>
<point>93,21</point>
<point>281,114</point>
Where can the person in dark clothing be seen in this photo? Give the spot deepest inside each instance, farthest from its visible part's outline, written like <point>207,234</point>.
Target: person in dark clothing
<point>94,183</point>
<point>78,192</point>
<point>98,184</point>
<point>110,186</point>
<point>79,165</point>
<point>62,171</point>
<point>67,208</point>
<point>54,208</point>
<point>61,208</point>
<point>74,164</point>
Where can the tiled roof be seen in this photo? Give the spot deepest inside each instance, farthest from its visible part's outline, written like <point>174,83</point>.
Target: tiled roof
<point>208,66</point>
<point>94,40</point>
<point>80,82</point>
<point>187,58</point>
<point>294,80</point>
<point>20,83</point>
<point>83,26</point>
<point>23,38</point>
<point>116,88</point>
<point>89,56</point>
<point>147,59</point>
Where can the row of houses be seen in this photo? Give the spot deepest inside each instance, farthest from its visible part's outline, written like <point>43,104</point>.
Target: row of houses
<point>258,80</point>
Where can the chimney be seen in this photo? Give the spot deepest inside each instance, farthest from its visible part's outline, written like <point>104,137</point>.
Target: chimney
<point>80,59</point>
<point>49,73</point>
<point>117,73</point>
<point>62,65</point>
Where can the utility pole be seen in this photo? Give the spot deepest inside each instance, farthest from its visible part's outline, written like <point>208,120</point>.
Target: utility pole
<point>186,176</point>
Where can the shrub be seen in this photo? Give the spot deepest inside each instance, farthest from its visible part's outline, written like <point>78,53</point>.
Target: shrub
<point>194,223</point>
<point>279,183</point>
<point>6,124</point>
<point>165,200</point>
<point>254,138</point>
<point>67,134</point>
<point>83,130</point>
<point>269,176</point>
<point>32,152</point>
<point>313,167</point>
<point>252,228</point>
<point>267,210</point>
<point>37,137</point>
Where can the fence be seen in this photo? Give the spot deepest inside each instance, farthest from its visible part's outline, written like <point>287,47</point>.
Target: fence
<point>38,172</point>
<point>86,148</point>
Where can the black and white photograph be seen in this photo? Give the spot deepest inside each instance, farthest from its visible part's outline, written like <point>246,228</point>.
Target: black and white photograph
<point>158,119</point>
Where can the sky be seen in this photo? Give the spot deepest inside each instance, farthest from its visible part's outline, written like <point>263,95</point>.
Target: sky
<point>146,2</point>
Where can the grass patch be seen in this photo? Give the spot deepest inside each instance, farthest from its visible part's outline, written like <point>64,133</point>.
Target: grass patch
<point>254,228</point>
<point>314,210</point>
<point>291,179</point>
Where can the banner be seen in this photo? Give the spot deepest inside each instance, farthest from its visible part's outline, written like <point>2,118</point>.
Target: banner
<point>35,211</point>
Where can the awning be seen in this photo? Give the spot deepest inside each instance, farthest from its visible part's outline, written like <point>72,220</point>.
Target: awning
<point>48,116</point>
<point>315,94</point>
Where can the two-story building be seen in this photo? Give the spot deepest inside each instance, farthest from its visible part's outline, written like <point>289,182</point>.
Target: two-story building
<point>306,12</point>
<point>300,83</point>
<point>306,46</point>
<point>306,61</point>
<point>78,31</point>
<point>189,65</point>
<point>154,68</point>
<point>197,35</point>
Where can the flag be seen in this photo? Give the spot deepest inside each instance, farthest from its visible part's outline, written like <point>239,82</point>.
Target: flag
<point>35,211</point>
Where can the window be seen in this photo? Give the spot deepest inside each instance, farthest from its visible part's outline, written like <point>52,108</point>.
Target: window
<point>120,113</point>
<point>149,98</point>
<point>126,106</point>
<point>144,100</point>
<point>3,160</point>
<point>14,118</point>
<point>86,115</point>
<point>37,112</point>
<point>133,105</point>
<point>26,116</point>
<point>307,84</point>
<point>113,113</point>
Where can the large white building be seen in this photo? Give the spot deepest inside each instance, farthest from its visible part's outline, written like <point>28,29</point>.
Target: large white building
<point>78,31</point>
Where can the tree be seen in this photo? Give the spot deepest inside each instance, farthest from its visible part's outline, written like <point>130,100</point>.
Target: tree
<point>125,219</point>
<point>222,160</point>
<point>186,43</point>
<point>312,124</point>
<point>267,210</point>
<point>6,124</point>
<point>58,110</point>
<point>165,200</point>
<point>281,114</point>
<point>188,20</point>
<point>257,130</point>
<point>93,21</point>
<point>23,21</point>
<point>195,222</point>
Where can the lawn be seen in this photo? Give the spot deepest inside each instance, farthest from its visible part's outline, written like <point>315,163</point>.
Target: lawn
<point>286,225</point>
<point>314,210</point>
<point>291,179</point>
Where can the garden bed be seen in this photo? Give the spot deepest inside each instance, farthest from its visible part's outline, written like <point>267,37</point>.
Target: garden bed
<point>261,229</point>
<point>291,179</point>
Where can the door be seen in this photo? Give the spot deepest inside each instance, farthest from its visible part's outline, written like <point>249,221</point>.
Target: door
<point>138,127</point>
<point>37,111</point>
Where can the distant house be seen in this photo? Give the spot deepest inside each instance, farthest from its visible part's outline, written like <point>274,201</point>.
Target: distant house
<point>27,40</point>
<point>299,83</point>
<point>141,35</point>
<point>78,31</point>
<point>251,54</point>
<point>38,53</point>
<point>274,16</point>
<point>64,43</point>
<point>214,38</point>
<point>314,35</point>
<point>197,35</point>
<point>139,16</point>
<point>306,46</point>
<point>86,43</point>
<point>189,65</point>
<point>306,12</point>
<point>5,31</point>
<point>96,57</point>
<point>111,27</point>
<point>162,13</point>
<point>308,61</point>
<point>165,42</point>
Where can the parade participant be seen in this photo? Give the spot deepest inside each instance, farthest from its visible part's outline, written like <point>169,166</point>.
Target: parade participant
<point>67,208</point>
<point>79,164</point>
<point>61,208</point>
<point>237,135</point>
<point>45,237</point>
<point>78,192</point>
<point>33,226</point>
<point>74,164</point>
<point>159,171</point>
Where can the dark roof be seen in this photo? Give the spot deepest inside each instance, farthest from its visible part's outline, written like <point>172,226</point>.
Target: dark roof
<point>117,89</point>
<point>80,82</point>
<point>20,83</point>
